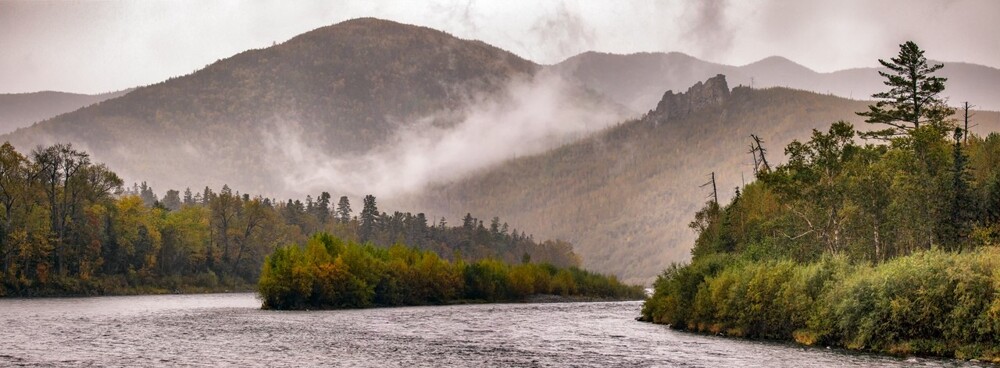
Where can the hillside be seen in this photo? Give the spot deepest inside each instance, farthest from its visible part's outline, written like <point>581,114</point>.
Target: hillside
<point>637,80</point>
<point>251,119</point>
<point>624,197</point>
<point>18,110</point>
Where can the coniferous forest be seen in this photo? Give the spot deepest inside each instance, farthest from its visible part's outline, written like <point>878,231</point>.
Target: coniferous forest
<point>882,240</point>
<point>70,227</point>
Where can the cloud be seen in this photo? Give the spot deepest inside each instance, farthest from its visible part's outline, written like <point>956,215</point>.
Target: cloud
<point>708,28</point>
<point>565,30</point>
<point>529,117</point>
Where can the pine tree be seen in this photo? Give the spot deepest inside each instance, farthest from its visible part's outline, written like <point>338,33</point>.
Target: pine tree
<point>961,207</point>
<point>369,215</point>
<point>322,207</point>
<point>913,98</point>
<point>147,195</point>
<point>344,210</point>
<point>172,200</point>
<point>188,198</point>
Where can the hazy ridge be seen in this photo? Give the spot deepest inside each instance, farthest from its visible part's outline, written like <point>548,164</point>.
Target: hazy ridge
<point>638,80</point>
<point>19,110</point>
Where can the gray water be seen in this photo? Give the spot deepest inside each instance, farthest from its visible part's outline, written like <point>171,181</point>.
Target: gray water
<point>230,330</point>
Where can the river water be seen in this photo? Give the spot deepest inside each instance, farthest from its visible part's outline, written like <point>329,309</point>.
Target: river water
<point>216,330</point>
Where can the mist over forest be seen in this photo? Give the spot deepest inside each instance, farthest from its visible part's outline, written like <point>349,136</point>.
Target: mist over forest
<point>428,122</point>
<point>477,184</point>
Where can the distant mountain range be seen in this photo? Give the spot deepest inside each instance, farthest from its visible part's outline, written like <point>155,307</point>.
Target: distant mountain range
<point>638,80</point>
<point>429,122</point>
<point>337,91</point>
<point>18,110</point>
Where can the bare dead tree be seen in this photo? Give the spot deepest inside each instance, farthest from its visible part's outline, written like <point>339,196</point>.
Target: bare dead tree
<point>967,107</point>
<point>758,150</point>
<point>715,193</point>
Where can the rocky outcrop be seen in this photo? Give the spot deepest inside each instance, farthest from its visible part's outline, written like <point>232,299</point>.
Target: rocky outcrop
<point>713,92</point>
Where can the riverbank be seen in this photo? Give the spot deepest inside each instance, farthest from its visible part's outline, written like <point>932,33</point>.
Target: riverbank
<point>121,285</point>
<point>931,303</point>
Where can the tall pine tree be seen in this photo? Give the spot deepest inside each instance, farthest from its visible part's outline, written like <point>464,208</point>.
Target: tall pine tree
<point>912,99</point>
<point>369,215</point>
<point>344,210</point>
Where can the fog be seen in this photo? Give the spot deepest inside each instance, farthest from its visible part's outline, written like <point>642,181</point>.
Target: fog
<point>529,116</point>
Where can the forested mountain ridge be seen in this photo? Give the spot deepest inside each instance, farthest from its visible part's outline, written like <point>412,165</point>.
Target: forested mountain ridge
<point>342,89</point>
<point>18,110</point>
<point>636,80</point>
<point>882,239</point>
<point>624,197</point>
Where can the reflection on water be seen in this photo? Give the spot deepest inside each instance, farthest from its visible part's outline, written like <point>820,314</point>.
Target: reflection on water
<point>230,330</point>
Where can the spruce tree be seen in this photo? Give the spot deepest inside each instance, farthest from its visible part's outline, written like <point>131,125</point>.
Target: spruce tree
<point>961,207</point>
<point>344,210</point>
<point>369,214</point>
<point>188,198</point>
<point>322,207</point>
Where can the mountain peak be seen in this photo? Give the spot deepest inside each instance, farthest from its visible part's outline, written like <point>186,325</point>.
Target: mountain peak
<point>713,92</point>
<point>777,63</point>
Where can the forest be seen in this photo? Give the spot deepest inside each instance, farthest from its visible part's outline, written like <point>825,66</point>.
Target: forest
<point>330,274</point>
<point>70,227</point>
<point>881,240</point>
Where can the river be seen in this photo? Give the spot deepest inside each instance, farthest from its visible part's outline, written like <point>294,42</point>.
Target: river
<point>217,330</point>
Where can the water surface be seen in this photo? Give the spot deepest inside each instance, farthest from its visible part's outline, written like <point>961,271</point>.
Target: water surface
<point>216,330</point>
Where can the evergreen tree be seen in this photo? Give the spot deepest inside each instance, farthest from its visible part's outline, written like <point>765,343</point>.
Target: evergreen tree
<point>961,207</point>
<point>188,198</point>
<point>344,210</point>
<point>322,208</point>
<point>172,200</point>
<point>147,195</point>
<point>206,197</point>
<point>468,223</point>
<point>913,98</point>
<point>369,216</point>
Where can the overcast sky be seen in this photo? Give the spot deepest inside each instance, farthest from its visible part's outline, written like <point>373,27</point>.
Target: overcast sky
<point>100,46</point>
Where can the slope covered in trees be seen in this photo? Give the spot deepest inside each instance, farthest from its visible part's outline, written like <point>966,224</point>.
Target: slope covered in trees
<point>625,196</point>
<point>68,227</point>
<point>339,90</point>
<point>19,110</point>
<point>887,244</point>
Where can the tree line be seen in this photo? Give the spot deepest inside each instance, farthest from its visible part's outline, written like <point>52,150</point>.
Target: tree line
<point>71,227</point>
<point>880,240</point>
<point>329,273</point>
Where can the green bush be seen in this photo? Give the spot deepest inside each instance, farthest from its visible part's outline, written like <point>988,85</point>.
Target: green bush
<point>931,303</point>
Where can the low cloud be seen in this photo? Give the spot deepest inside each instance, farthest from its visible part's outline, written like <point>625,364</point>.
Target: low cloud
<point>529,117</point>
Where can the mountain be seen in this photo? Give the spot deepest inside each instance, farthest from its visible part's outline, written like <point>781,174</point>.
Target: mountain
<point>18,110</point>
<point>337,92</point>
<point>636,80</point>
<point>624,197</point>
